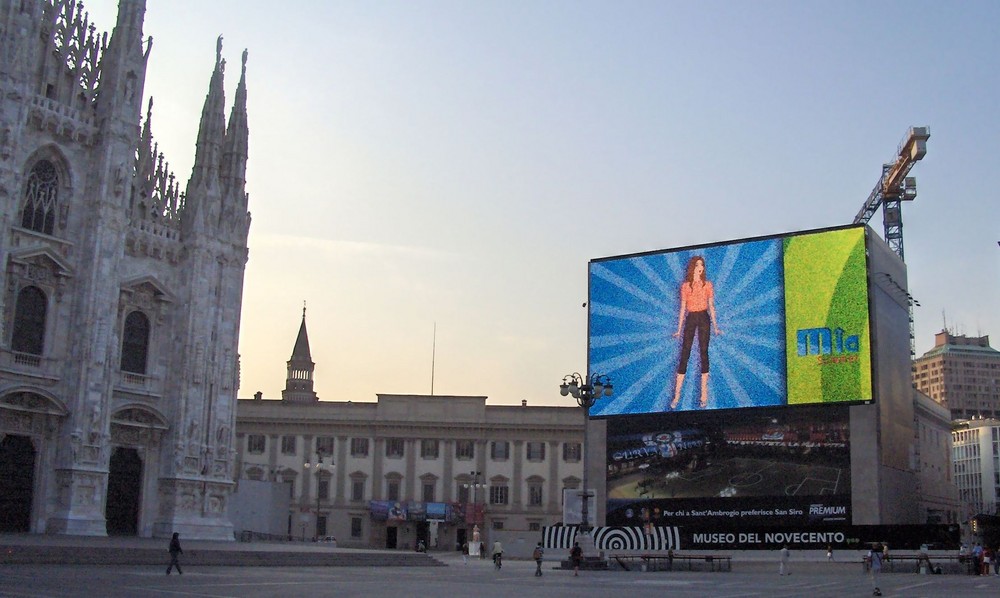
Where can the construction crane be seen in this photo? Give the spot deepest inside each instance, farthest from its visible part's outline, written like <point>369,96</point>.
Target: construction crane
<point>894,187</point>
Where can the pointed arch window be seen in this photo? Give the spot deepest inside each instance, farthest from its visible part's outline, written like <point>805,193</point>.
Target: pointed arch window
<point>41,198</point>
<point>135,343</point>
<point>29,321</point>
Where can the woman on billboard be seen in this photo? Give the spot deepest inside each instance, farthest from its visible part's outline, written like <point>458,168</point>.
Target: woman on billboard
<point>696,314</point>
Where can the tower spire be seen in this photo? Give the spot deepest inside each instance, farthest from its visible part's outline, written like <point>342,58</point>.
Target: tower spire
<point>299,381</point>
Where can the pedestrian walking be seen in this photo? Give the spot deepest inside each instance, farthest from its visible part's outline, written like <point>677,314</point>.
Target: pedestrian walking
<point>465,552</point>
<point>576,556</point>
<point>175,551</point>
<point>537,554</point>
<point>977,559</point>
<point>829,552</point>
<point>876,568</point>
<point>784,557</point>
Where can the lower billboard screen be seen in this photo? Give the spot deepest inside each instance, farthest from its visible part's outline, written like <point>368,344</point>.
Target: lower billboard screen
<point>768,467</point>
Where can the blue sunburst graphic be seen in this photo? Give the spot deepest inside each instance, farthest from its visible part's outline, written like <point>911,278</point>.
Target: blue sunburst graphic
<point>634,310</point>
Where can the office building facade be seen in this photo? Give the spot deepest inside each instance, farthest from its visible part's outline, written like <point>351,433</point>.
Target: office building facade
<point>962,373</point>
<point>976,457</point>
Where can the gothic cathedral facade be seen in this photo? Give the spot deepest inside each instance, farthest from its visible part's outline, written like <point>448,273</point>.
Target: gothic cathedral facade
<point>120,292</point>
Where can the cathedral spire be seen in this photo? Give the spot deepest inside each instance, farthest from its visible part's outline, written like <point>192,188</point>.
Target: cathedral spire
<point>123,65</point>
<point>299,381</point>
<point>203,192</point>
<point>234,165</point>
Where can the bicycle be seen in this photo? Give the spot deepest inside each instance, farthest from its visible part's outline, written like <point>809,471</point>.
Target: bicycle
<point>498,560</point>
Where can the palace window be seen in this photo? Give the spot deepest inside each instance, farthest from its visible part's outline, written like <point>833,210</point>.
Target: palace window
<point>465,449</point>
<point>571,452</point>
<point>534,494</point>
<point>429,449</point>
<point>255,443</point>
<point>500,450</point>
<point>288,445</point>
<point>536,451</point>
<point>499,493</point>
<point>359,447</point>
<point>357,489</point>
<point>394,447</point>
<point>324,445</point>
<point>392,490</point>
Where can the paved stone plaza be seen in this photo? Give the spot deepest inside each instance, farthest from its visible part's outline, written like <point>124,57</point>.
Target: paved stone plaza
<point>477,579</point>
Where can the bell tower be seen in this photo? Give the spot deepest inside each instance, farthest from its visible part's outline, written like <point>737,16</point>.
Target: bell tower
<point>299,381</point>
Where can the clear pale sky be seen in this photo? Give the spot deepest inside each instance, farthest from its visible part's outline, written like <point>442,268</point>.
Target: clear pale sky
<point>457,164</point>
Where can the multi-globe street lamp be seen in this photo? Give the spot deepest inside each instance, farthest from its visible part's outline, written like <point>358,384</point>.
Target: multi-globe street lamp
<point>586,391</point>
<point>319,467</point>
<point>475,485</point>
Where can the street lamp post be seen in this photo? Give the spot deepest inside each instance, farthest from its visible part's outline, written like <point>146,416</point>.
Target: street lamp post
<point>475,485</point>
<point>319,467</point>
<point>586,391</point>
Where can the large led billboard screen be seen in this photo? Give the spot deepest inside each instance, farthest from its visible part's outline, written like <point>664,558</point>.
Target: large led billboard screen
<point>754,323</point>
<point>770,467</point>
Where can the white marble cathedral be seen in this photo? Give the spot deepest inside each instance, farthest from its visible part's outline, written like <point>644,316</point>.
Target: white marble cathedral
<point>120,293</point>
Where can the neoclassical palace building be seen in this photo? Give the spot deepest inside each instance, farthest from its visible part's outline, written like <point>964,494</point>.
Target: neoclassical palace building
<point>405,468</point>
<point>120,291</point>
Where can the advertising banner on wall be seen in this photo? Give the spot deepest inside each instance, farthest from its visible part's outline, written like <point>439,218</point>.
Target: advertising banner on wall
<point>755,323</point>
<point>838,537</point>
<point>618,539</point>
<point>416,511</point>
<point>764,467</point>
<point>438,511</point>
<point>395,511</point>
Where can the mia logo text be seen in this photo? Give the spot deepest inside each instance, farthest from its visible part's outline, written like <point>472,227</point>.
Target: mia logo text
<point>823,341</point>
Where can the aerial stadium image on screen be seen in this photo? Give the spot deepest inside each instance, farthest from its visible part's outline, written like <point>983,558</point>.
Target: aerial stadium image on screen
<point>766,322</point>
<point>781,466</point>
